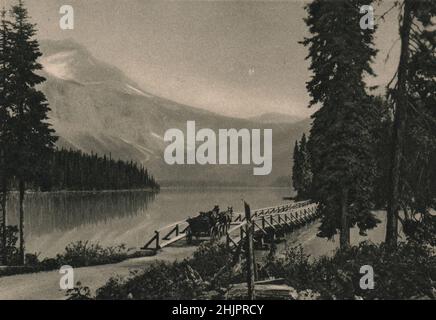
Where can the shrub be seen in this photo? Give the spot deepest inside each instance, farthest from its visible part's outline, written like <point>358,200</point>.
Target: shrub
<point>212,257</point>
<point>84,253</point>
<point>187,279</point>
<point>403,273</point>
<point>10,251</point>
<point>77,254</point>
<point>159,280</point>
<point>79,292</point>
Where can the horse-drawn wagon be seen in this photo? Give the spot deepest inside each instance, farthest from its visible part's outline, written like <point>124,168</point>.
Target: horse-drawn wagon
<point>211,224</point>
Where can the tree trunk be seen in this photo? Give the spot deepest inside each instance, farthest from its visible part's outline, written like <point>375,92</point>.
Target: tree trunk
<point>249,253</point>
<point>4,209</point>
<point>22,189</point>
<point>4,223</point>
<point>398,129</point>
<point>345,227</point>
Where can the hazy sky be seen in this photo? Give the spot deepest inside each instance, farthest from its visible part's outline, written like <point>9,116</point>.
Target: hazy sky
<point>240,58</point>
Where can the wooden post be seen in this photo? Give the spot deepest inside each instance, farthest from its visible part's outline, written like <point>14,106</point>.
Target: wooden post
<point>249,253</point>
<point>157,240</point>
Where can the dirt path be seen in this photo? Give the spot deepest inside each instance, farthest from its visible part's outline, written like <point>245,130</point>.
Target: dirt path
<point>45,285</point>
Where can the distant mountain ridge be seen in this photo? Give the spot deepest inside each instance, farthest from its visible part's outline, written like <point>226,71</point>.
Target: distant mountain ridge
<point>97,108</point>
<point>275,117</point>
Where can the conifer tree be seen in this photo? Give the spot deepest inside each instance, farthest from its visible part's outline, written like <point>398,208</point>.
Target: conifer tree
<point>296,169</point>
<point>4,124</point>
<point>305,169</point>
<point>414,135</point>
<point>399,126</point>
<point>33,138</point>
<point>340,141</point>
<point>382,132</point>
<point>301,170</point>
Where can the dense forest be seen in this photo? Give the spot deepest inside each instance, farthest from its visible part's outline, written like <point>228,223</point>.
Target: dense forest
<point>367,152</point>
<point>78,171</point>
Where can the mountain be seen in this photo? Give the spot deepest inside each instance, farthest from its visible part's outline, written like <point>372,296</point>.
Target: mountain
<point>275,117</point>
<point>97,108</point>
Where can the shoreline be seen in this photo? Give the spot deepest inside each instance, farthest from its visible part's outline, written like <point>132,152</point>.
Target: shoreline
<point>45,285</point>
<point>152,190</point>
<point>182,187</point>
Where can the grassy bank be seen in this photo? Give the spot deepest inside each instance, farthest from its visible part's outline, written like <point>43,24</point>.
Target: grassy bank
<point>77,254</point>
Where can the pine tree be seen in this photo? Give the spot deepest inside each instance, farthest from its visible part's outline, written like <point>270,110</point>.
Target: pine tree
<point>296,169</point>
<point>305,169</point>
<point>414,133</point>
<point>32,136</point>
<point>301,170</point>
<point>382,131</point>
<point>399,127</point>
<point>4,124</point>
<point>340,139</point>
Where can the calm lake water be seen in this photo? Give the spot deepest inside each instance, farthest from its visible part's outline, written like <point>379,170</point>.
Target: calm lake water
<point>53,220</point>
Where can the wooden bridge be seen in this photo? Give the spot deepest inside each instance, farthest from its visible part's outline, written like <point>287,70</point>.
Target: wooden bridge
<point>268,223</point>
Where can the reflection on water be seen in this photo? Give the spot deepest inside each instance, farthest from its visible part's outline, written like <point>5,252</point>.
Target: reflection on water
<point>53,220</point>
<point>50,212</point>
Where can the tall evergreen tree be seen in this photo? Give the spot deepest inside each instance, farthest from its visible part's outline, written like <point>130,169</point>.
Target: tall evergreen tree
<point>4,124</point>
<point>301,170</point>
<point>296,168</point>
<point>399,126</point>
<point>305,169</point>
<point>32,136</point>
<point>340,140</point>
<point>383,141</point>
<point>414,135</point>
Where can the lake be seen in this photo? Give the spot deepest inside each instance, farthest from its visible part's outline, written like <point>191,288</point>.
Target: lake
<point>53,220</point>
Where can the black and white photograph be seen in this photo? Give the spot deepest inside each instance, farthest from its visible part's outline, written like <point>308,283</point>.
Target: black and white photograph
<point>235,151</point>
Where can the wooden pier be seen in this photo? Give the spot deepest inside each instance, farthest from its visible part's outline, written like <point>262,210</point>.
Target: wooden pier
<point>268,223</point>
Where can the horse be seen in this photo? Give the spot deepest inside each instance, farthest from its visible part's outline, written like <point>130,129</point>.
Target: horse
<point>212,223</point>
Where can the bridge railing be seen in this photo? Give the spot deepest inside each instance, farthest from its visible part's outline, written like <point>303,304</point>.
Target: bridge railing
<point>167,235</point>
<point>263,219</point>
<point>288,215</point>
<point>270,210</point>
